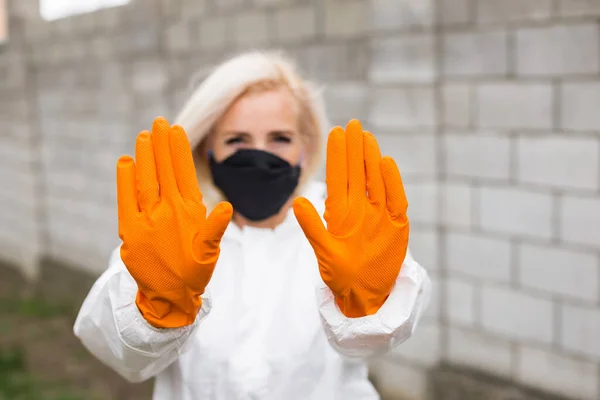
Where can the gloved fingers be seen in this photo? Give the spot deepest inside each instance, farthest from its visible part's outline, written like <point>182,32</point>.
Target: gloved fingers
<point>375,185</point>
<point>311,224</point>
<point>126,191</point>
<point>217,222</point>
<point>183,165</point>
<point>356,163</point>
<point>162,153</point>
<point>336,175</point>
<point>396,201</point>
<point>147,181</point>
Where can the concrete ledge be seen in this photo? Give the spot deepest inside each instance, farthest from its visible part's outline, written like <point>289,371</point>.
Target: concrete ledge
<point>57,283</point>
<point>12,282</point>
<point>449,382</point>
<point>63,283</point>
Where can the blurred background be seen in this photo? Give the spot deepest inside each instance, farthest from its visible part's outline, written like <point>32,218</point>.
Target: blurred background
<point>490,107</point>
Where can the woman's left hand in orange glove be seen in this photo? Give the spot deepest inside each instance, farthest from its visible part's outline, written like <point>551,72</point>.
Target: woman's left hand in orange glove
<point>361,251</point>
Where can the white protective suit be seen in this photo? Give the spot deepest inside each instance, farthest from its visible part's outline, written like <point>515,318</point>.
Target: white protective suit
<point>262,332</point>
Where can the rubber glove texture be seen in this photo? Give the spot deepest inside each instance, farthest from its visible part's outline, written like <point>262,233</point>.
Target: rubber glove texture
<point>362,249</point>
<point>170,246</point>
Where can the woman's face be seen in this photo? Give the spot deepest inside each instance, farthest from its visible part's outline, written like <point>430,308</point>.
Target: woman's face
<point>265,120</point>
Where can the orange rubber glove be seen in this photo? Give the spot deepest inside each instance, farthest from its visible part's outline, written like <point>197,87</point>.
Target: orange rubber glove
<point>361,251</point>
<point>169,245</point>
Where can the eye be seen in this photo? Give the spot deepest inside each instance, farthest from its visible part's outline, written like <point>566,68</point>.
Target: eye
<point>234,140</point>
<point>281,138</point>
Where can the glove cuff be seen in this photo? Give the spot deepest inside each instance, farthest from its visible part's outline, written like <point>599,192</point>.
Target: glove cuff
<point>173,309</point>
<point>359,304</point>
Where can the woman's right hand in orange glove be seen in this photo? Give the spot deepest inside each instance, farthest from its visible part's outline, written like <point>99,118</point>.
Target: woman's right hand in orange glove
<point>170,247</point>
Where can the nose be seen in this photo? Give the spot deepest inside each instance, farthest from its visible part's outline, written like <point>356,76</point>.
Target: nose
<point>259,145</point>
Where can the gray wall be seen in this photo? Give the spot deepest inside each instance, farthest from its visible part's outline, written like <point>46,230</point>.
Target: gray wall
<point>491,108</point>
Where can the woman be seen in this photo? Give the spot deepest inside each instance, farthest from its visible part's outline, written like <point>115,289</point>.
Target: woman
<point>223,306</point>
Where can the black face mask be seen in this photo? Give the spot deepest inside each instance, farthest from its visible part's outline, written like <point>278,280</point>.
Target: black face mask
<point>255,182</point>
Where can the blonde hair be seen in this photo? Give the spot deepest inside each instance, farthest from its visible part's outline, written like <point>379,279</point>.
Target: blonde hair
<point>249,72</point>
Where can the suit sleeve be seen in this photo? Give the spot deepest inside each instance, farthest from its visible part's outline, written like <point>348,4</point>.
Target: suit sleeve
<point>111,327</point>
<point>394,322</point>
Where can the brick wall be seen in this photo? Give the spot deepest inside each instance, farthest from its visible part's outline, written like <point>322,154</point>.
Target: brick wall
<point>490,108</point>
<point>520,219</point>
<point>20,168</point>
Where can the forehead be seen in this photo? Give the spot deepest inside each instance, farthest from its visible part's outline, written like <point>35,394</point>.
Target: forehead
<point>262,111</point>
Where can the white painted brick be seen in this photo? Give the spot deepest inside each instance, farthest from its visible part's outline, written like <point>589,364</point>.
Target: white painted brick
<point>457,199</point>
<point>38,32</point>
<point>565,272</point>
<point>251,28</point>
<point>103,49</point>
<point>432,313</point>
<point>346,18</point>
<point>191,9</point>
<point>295,23</point>
<point>517,315</point>
<point>580,102</point>
<point>497,107</point>
<point>457,107</point>
<point>336,61</point>
<point>15,72</point>
<point>475,54</point>
<point>558,373</point>
<point>214,32</point>
<point>271,2</point>
<point>21,186</point>
<point>515,212</point>
<point>23,255</point>
<point>169,9</point>
<point>395,380</point>
<point>66,26</point>
<point>17,155</point>
<point>424,247</point>
<point>400,14</point>
<point>16,108</point>
<point>347,100</point>
<point>113,76</point>
<point>228,5</point>
<point>144,40</point>
<point>580,220</point>
<point>76,51</point>
<point>105,243</point>
<point>403,59</point>
<point>455,12</point>
<point>559,161</point>
<point>478,256</point>
<point>559,50</point>
<point>480,351</point>
<point>422,199</point>
<point>584,8</point>
<point>512,10</point>
<point>423,348</point>
<point>459,306</point>
<point>154,106</point>
<point>403,107</point>
<point>149,76</point>
<point>88,22</point>
<point>28,10</point>
<point>477,155</point>
<point>178,37</point>
<point>414,153</point>
<point>580,329</point>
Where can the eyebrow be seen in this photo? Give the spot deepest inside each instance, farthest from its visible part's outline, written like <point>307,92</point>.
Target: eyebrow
<point>242,133</point>
<point>235,133</point>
